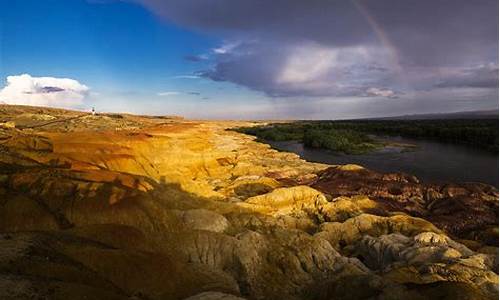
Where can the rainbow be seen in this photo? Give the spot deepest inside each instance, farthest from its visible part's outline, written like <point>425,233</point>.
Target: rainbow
<point>382,37</point>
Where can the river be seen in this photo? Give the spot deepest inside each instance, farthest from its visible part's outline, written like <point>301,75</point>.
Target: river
<point>430,161</point>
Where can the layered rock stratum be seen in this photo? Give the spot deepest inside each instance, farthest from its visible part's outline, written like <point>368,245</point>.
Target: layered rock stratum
<point>117,206</point>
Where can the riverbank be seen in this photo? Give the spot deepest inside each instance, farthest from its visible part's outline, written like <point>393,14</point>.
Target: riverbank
<point>430,161</point>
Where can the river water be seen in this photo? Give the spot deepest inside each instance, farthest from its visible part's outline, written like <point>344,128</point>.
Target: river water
<point>430,161</point>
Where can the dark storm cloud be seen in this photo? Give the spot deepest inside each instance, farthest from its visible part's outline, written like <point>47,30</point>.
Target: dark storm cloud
<point>318,20</point>
<point>376,48</point>
<point>294,70</point>
<point>484,76</point>
<point>423,29</point>
<point>249,64</point>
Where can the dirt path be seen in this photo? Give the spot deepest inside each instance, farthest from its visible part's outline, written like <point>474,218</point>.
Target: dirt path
<point>50,122</point>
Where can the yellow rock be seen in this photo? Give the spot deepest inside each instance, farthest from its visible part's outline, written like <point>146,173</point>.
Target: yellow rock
<point>287,201</point>
<point>8,124</point>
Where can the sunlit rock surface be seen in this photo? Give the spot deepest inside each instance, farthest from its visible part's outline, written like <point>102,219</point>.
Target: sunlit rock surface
<point>118,206</point>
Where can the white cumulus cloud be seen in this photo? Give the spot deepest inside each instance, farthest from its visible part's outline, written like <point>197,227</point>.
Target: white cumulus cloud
<point>380,92</point>
<point>43,91</point>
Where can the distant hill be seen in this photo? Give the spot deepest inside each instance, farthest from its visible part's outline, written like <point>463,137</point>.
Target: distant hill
<point>478,114</point>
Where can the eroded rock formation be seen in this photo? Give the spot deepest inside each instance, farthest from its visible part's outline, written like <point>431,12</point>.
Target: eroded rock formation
<point>466,211</point>
<point>130,207</point>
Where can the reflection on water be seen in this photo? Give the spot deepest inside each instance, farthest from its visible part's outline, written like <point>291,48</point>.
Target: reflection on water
<point>430,161</point>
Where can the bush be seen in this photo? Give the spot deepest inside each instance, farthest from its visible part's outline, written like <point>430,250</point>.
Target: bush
<point>346,141</point>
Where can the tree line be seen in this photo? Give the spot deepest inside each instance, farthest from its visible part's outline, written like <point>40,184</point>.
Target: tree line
<point>353,136</point>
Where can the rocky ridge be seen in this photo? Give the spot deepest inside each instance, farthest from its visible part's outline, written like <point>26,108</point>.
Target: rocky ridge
<point>128,207</point>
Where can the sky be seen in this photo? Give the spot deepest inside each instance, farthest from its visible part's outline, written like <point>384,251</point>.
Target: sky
<point>251,59</point>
